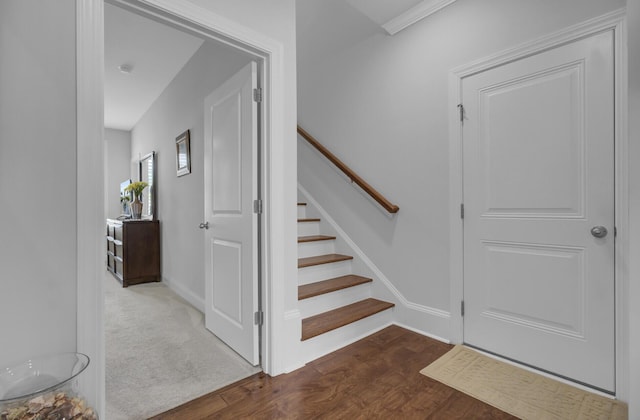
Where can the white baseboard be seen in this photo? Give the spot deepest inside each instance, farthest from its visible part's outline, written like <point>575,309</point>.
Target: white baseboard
<point>426,334</point>
<point>293,325</point>
<point>186,294</point>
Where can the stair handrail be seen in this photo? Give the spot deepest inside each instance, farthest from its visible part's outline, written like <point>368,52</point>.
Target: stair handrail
<point>379,198</point>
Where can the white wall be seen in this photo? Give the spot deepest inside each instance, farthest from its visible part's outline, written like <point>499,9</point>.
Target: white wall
<point>180,200</point>
<point>37,178</point>
<point>117,156</point>
<point>381,104</point>
<point>633,13</point>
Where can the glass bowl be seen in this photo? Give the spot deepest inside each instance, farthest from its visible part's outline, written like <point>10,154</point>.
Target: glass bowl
<point>44,388</point>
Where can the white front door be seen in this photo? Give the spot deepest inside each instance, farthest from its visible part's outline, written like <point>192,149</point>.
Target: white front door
<point>231,186</point>
<point>538,152</point>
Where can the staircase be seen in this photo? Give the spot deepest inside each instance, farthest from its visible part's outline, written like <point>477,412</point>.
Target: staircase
<point>336,305</point>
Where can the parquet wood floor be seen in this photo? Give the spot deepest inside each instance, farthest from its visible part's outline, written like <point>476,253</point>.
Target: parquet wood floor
<point>375,378</point>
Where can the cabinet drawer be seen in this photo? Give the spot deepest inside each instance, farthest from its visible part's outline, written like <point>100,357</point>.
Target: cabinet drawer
<point>117,232</point>
<point>117,249</point>
<point>118,266</point>
<point>111,246</point>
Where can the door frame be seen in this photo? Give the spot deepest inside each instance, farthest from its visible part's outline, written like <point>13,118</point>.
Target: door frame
<point>90,251</point>
<point>616,22</point>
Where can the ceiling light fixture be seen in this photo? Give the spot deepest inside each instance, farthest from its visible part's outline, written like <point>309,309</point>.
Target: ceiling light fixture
<point>125,68</point>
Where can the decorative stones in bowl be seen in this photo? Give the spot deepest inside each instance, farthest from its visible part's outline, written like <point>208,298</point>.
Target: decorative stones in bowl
<point>44,388</point>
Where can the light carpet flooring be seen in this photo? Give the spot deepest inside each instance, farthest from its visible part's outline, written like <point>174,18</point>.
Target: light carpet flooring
<point>520,392</point>
<point>159,353</point>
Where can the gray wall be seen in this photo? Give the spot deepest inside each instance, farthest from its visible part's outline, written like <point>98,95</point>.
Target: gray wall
<point>180,200</point>
<point>633,9</point>
<point>117,155</point>
<point>37,178</point>
<point>382,105</point>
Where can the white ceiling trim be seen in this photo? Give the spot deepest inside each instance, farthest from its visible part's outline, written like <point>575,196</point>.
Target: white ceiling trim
<point>415,14</point>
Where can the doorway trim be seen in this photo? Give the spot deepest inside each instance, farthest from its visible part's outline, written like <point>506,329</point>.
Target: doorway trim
<point>90,190</point>
<point>614,21</point>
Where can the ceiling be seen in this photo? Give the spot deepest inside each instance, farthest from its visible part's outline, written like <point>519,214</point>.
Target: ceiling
<point>155,52</point>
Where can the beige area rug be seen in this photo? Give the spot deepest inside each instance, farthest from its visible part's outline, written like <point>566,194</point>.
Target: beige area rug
<point>159,353</point>
<point>517,391</point>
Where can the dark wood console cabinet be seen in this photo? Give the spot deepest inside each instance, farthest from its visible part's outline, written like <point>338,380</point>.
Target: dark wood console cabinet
<point>133,250</point>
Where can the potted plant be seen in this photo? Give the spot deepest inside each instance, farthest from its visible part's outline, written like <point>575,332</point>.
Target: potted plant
<point>136,206</point>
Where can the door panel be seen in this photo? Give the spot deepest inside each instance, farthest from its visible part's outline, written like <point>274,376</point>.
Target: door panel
<point>538,175</point>
<point>231,267</point>
<point>512,270</point>
<point>227,157</point>
<point>546,151</point>
<point>227,295</point>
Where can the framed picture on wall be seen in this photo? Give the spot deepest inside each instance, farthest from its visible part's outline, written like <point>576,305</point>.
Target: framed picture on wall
<point>183,154</point>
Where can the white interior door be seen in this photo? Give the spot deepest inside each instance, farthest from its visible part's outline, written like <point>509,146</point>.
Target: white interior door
<point>230,186</point>
<point>538,151</point>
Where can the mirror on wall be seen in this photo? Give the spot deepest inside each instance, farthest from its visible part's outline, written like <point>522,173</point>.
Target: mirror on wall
<point>147,173</point>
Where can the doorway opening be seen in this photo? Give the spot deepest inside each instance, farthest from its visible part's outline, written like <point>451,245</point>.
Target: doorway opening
<point>207,62</point>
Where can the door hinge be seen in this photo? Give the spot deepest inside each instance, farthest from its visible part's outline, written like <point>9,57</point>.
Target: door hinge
<point>258,318</point>
<point>257,206</point>
<point>462,308</point>
<point>257,95</point>
<point>615,231</point>
<point>461,210</point>
<point>461,109</point>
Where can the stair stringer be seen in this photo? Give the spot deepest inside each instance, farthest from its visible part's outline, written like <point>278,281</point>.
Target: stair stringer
<point>431,322</point>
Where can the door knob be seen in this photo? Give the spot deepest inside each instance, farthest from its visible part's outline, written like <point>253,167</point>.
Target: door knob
<point>599,231</point>
<point>204,225</point>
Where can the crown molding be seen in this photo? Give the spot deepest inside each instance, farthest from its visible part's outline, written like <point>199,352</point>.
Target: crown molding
<point>415,14</point>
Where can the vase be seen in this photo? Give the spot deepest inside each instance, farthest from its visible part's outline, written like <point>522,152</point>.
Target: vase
<point>45,388</point>
<point>136,209</point>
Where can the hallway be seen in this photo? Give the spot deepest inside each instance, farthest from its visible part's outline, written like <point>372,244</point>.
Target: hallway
<point>158,352</point>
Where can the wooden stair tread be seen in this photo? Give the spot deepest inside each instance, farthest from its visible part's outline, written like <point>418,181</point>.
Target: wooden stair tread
<point>308,220</point>
<point>322,259</point>
<point>331,285</point>
<point>331,320</point>
<point>315,238</point>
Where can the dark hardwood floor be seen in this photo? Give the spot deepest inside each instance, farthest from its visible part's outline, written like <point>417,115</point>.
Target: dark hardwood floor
<point>375,378</point>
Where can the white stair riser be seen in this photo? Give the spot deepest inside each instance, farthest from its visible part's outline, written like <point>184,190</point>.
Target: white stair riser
<point>331,341</point>
<point>333,300</point>
<point>308,228</point>
<point>302,212</point>
<point>323,272</point>
<point>312,249</point>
